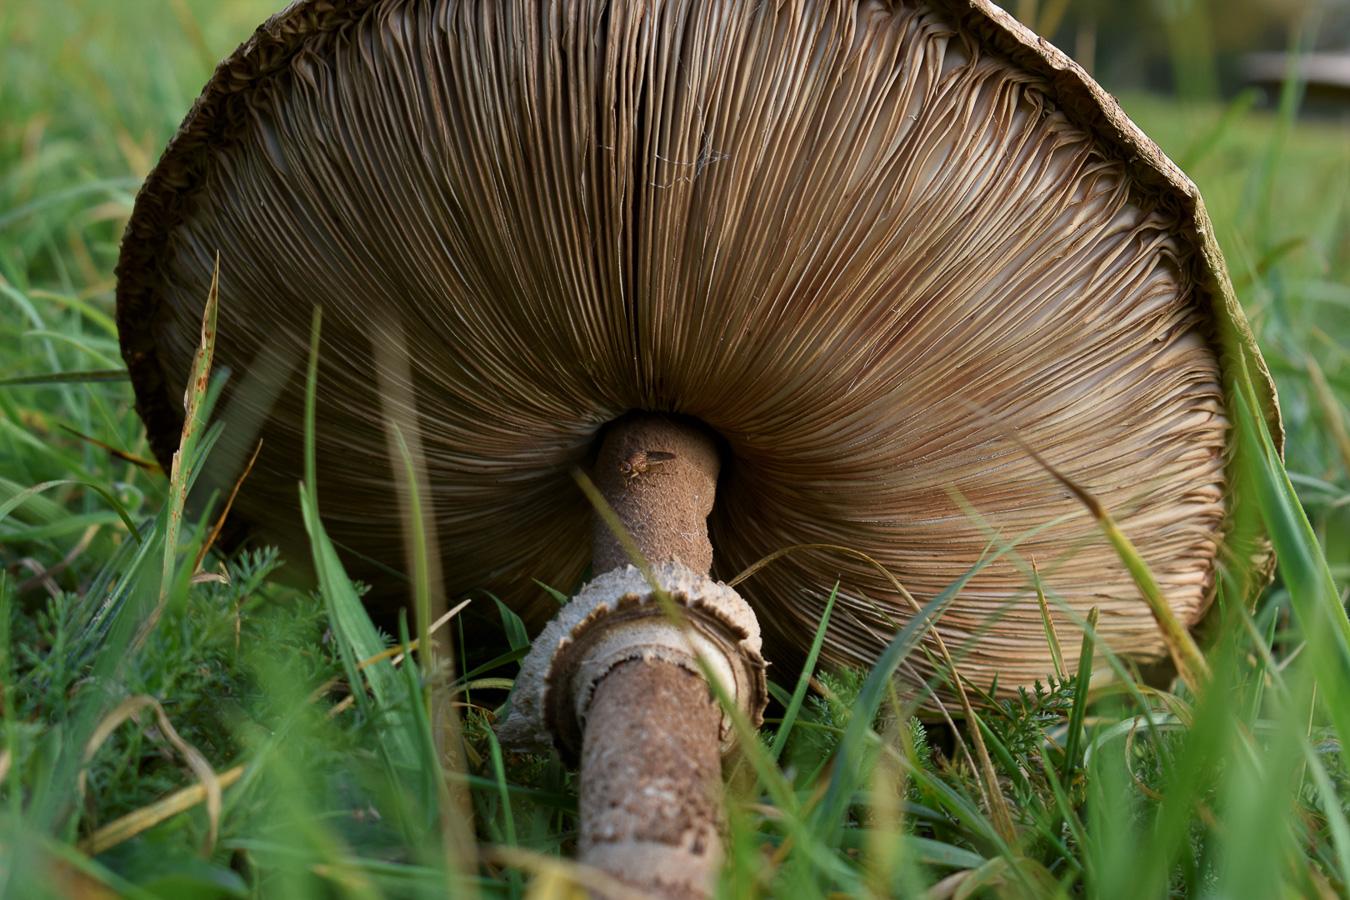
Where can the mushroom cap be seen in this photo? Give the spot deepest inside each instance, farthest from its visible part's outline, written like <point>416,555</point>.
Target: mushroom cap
<point>861,242</point>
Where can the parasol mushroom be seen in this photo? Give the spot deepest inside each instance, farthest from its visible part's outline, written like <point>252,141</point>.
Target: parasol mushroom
<point>779,249</point>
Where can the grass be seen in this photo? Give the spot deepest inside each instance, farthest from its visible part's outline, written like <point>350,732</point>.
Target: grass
<point>223,753</point>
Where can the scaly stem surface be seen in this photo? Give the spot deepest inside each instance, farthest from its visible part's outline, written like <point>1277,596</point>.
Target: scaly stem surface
<point>651,778</point>
<point>651,759</point>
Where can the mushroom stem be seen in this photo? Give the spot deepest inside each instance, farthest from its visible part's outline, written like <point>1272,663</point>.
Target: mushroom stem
<point>613,683</point>
<point>660,477</point>
<point>651,758</point>
<point>651,777</point>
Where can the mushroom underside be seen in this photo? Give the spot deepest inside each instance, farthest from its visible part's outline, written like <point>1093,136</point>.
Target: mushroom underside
<point>858,243</point>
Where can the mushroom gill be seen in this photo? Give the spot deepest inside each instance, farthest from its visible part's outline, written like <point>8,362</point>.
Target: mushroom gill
<point>845,237</point>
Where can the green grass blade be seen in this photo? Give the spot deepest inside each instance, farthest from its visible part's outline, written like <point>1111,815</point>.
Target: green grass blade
<point>421,564</point>
<point>111,186</point>
<point>88,377</point>
<point>508,814</point>
<point>1312,591</point>
<point>357,638</point>
<point>803,681</point>
<point>516,635</point>
<point>1073,743</point>
<point>22,497</point>
<point>1048,625</point>
<point>93,313</point>
<point>850,758</point>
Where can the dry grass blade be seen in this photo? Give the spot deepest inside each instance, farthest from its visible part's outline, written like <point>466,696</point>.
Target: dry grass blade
<point>130,708</point>
<point>554,886</point>
<point>999,810</point>
<point>133,823</point>
<point>148,465</point>
<point>500,684</point>
<point>394,654</point>
<point>219,577</point>
<point>415,642</point>
<point>220,522</point>
<point>193,398</point>
<point>630,547</point>
<point>1331,409</point>
<point>835,548</point>
<point>1190,662</point>
<point>1051,635</point>
<point>563,874</point>
<point>946,888</point>
<point>72,883</point>
<point>47,574</point>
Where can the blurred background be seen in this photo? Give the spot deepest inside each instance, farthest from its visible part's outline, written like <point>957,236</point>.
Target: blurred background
<point>1199,50</point>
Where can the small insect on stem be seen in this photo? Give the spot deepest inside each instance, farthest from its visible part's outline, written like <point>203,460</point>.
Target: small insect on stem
<point>642,461</point>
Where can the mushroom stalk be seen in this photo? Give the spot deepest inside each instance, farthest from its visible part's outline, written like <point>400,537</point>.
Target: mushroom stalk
<point>651,763</point>
<point>660,477</point>
<point>618,686</point>
<point>651,769</point>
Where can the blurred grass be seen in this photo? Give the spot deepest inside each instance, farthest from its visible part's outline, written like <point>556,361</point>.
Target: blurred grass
<point>1240,790</point>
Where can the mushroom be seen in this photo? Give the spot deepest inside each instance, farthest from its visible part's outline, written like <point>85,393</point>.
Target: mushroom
<point>803,252</point>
